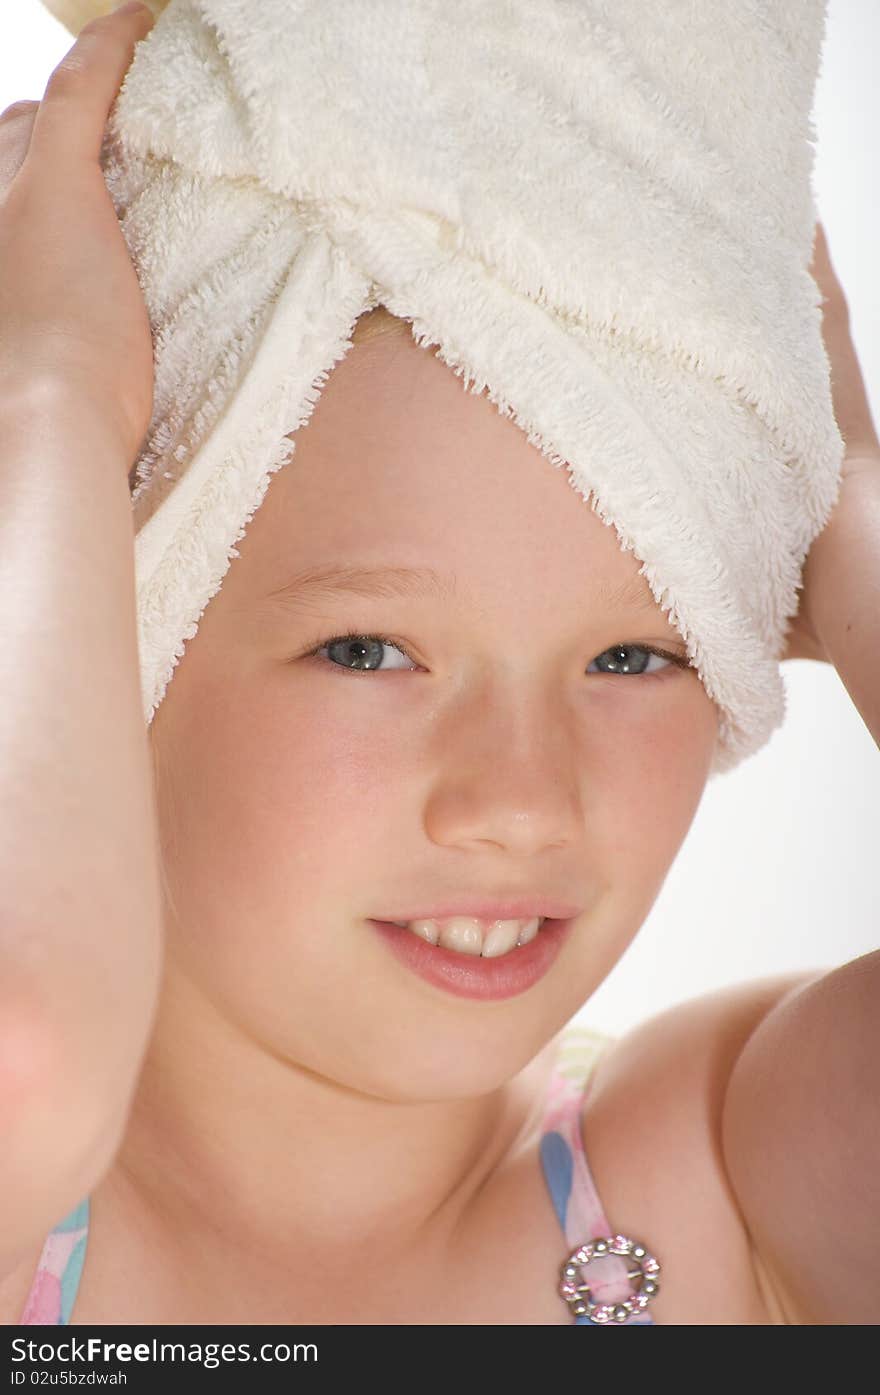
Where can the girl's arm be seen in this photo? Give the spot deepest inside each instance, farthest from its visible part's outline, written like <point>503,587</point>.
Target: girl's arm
<point>80,909</point>
<point>80,876</point>
<point>801,1144</point>
<point>801,1120</point>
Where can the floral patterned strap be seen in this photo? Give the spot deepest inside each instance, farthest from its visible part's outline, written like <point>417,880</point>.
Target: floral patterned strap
<point>574,1195</point>
<point>56,1281</point>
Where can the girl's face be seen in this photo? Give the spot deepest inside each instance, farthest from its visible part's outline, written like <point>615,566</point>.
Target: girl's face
<point>494,747</point>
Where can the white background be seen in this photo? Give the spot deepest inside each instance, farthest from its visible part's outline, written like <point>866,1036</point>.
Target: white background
<point>779,869</point>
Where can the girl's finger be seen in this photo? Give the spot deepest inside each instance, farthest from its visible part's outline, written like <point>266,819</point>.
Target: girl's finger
<point>16,125</point>
<point>72,117</point>
<point>824,274</point>
<point>852,408</point>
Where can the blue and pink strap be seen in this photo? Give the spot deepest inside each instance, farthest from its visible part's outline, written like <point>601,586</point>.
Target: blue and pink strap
<point>56,1281</point>
<point>576,1200</point>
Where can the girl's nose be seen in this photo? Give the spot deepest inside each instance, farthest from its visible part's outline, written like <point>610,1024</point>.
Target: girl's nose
<point>513,783</point>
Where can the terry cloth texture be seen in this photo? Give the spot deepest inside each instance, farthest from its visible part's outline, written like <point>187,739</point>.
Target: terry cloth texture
<point>599,211</point>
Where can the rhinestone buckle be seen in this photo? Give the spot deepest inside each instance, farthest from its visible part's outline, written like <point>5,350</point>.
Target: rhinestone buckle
<point>578,1295</point>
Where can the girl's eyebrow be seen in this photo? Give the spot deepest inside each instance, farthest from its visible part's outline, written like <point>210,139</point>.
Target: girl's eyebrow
<point>382,582</point>
<point>371,582</point>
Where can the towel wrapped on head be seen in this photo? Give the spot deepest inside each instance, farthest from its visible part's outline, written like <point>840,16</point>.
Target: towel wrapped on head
<point>599,211</point>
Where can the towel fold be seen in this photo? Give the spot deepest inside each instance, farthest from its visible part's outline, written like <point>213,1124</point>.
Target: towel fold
<point>599,211</point>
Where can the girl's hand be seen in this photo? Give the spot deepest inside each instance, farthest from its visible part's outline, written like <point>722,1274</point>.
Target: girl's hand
<point>72,315</point>
<point>853,413</point>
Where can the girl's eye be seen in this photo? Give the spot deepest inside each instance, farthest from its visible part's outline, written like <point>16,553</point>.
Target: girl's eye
<point>634,658</point>
<point>363,653</point>
<point>365,650</point>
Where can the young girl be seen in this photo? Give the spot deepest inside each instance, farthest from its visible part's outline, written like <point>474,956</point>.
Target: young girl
<point>284,1008</point>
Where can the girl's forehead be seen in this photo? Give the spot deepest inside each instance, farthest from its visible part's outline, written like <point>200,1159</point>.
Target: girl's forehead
<point>401,466</point>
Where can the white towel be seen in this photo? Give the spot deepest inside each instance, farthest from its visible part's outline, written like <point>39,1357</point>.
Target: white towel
<point>600,210</point>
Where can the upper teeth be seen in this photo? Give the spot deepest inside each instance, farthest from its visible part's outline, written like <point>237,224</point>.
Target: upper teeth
<point>471,936</point>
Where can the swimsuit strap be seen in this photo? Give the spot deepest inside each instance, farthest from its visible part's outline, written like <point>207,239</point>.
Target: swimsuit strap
<point>570,1182</point>
<point>54,1289</point>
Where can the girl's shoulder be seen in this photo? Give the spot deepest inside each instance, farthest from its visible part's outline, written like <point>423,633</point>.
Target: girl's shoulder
<point>650,1130</point>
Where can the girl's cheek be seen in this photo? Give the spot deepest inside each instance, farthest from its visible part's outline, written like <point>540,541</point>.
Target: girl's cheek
<point>644,790</point>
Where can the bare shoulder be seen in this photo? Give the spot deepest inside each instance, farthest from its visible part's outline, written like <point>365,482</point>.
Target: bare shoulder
<point>652,1128</point>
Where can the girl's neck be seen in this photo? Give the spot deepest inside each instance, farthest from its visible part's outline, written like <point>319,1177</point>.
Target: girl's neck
<point>232,1146</point>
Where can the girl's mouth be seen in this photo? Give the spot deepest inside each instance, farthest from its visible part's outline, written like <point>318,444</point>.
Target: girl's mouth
<point>520,953</point>
<point>468,935</point>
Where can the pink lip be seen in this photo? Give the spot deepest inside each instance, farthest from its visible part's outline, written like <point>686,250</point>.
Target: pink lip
<point>469,975</point>
<point>495,910</point>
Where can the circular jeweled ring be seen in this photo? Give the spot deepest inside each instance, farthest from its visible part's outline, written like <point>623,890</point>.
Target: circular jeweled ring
<point>578,1296</point>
